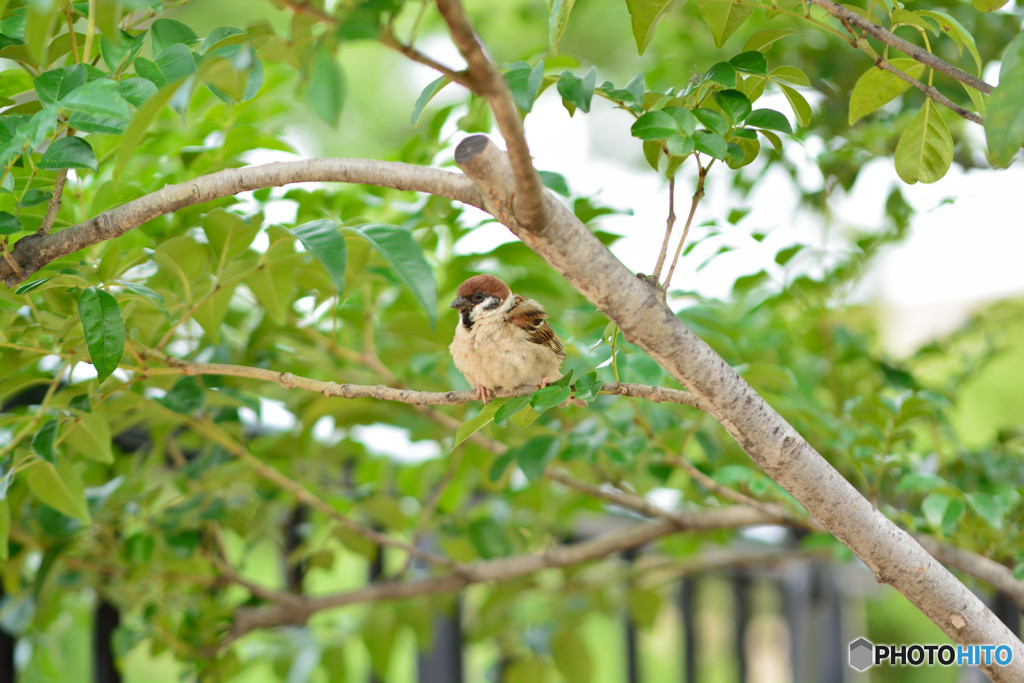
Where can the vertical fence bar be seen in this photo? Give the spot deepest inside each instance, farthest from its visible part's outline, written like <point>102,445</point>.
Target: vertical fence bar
<point>443,661</point>
<point>7,643</point>
<point>106,620</point>
<point>687,591</point>
<point>741,620</point>
<point>632,640</point>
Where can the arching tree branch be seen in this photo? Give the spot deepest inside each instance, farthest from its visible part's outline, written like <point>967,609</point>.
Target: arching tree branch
<point>503,569</point>
<point>34,251</point>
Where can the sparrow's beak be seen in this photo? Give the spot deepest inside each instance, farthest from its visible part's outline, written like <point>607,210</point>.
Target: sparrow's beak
<point>461,302</point>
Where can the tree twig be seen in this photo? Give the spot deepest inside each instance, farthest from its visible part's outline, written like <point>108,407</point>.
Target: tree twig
<point>930,91</point>
<point>670,222</point>
<point>698,194</point>
<point>905,46</point>
<point>385,393</point>
<point>485,80</point>
<point>53,207</point>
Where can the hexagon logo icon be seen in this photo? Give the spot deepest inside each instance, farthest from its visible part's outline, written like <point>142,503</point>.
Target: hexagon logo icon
<point>862,654</point>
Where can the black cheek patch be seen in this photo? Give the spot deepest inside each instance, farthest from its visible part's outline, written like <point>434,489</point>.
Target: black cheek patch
<point>492,303</point>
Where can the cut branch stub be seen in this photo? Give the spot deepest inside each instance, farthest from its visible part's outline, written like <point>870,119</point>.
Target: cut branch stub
<point>489,169</point>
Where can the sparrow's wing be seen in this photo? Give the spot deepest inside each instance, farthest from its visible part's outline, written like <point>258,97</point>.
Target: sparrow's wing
<point>532,318</point>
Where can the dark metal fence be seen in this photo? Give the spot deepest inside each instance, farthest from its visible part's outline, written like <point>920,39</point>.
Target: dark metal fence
<point>814,599</point>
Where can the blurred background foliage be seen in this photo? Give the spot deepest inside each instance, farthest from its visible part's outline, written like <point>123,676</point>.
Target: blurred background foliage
<point>131,489</point>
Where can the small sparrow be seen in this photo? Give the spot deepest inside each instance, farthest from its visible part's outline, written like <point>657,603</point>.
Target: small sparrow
<point>502,340</point>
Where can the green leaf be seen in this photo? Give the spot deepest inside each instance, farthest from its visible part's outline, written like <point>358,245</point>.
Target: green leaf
<point>510,408</point>
<point>1004,121</point>
<point>104,330</point>
<point>549,397</point>
<point>174,64</point>
<point>935,507</point>
<point>9,224</point>
<point>15,81</point>
<point>734,104</point>
<point>325,93</point>
<point>577,91</point>
<point>475,424</point>
<point>534,455</point>
<point>654,125</point>
<point>120,50</point>
<point>925,150</point>
<point>136,91</point>
<point>146,294</point>
<point>69,152</point>
<point>956,31</point>
<point>428,93</point>
<point>644,606</point>
<point>712,120</point>
<point>762,40</point>
<point>769,119</point>
<point>789,74</point>
<point>588,386</point>
<point>42,442</point>
<point>632,93</point>
<point>42,18</point>
<point>558,19</point>
<point>524,82</point>
<point>988,5</point>
<point>920,482</point>
<point>405,255</point>
<point>991,508</point>
<point>644,16</point>
<point>34,197</point>
<point>97,107</point>
<point>230,235</point>
<point>571,656</point>
<point>379,639</point>
<point>876,87</point>
<point>91,438</point>
<point>684,117</point>
<point>185,397</point>
<point>322,239</point>
<point>750,61</point>
<point>141,122</point>
<point>711,143</point>
<point>723,18</point>
<point>164,33</point>
<point>489,538</point>
<point>54,85</point>
<point>801,109</point>
<point>61,489</point>
<point>722,73</point>
<point>500,464</point>
<point>554,182</point>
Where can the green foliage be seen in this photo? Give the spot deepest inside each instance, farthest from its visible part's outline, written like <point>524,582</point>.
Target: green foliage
<point>124,482</point>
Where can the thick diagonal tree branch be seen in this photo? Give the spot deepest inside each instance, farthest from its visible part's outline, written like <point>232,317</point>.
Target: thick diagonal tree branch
<point>764,435</point>
<point>34,251</point>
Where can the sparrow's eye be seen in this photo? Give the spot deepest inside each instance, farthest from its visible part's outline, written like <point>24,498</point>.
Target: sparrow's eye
<point>478,297</point>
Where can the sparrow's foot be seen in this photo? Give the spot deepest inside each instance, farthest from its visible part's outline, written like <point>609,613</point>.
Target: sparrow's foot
<point>484,394</point>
